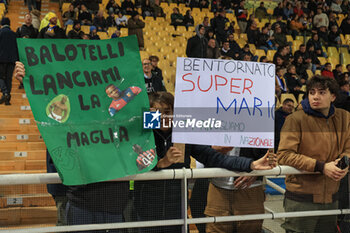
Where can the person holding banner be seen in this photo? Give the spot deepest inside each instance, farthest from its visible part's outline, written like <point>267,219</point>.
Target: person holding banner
<point>314,139</point>
<point>236,196</point>
<point>94,203</point>
<point>162,199</point>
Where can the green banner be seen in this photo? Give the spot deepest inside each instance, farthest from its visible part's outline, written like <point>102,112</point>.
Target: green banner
<point>88,98</point>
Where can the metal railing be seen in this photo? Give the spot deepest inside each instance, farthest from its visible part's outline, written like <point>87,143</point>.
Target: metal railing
<point>166,174</point>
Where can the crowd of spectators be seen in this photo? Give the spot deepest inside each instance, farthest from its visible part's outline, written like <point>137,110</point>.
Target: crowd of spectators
<point>215,38</point>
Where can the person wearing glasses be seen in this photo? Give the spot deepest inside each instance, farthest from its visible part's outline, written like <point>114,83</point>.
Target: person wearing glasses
<point>152,81</point>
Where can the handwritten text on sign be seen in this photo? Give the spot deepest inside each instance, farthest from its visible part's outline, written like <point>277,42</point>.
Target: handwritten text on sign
<point>238,94</point>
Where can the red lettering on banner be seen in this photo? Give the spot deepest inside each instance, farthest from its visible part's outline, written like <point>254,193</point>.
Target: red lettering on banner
<point>211,83</point>
<point>218,84</point>
<point>245,87</point>
<point>183,78</point>
<point>235,92</point>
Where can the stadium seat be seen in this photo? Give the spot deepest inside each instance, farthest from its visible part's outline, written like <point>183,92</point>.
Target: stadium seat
<point>260,52</point>
<point>144,55</point>
<point>334,61</point>
<point>332,52</point>
<point>318,72</point>
<point>300,97</point>
<point>111,30</point>
<point>103,35</point>
<point>309,74</point>
<point>252,48</point>
<point>69,28</point>
<point>85,29</point>
<point>296,44</point>
<point>243,36</point>
<point>289,38</point>
<point>323,60</point>
<point>270,54</point>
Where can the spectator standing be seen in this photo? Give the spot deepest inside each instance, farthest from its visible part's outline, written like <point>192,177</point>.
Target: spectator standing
<point>100,22</point>
<point>110,20</point>
<point>336,6</point>
<point>318,116</point>
<point>35,19</point>
<point>218,25</point>
<point>135,27</point>
<point>320,19</point>
<point>147,9</point>
<point>345,6</point>
<point>128,7</point>
<point>197,45</point>
<point>345,26</point>
<point>27,30</point>
<point>242,15</point>
<point>8,57</point>
<point>278,11</point>
<point>253,33</point>
<point>261,12</point>
<point>158,11</point>
<point>112,7</point>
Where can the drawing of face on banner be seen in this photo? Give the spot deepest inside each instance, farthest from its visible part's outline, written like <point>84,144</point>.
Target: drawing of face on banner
<point>87,99</point>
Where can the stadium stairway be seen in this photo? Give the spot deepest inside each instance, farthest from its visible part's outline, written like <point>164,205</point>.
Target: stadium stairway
<point>22,149</point>
<point>17,9</point>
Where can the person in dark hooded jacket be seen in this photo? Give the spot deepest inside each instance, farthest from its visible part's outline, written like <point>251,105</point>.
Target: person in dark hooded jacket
<point>161,199</point>
<point>197,45</point>
<point>8,57</point>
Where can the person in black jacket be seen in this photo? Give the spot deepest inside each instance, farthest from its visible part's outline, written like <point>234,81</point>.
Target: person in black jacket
<point>52,31</point>
<point>218,25</point>
<point>27,30</point>
<point>76,32</point>
<point>153,82</point>
<point>162,199</point>
<point>293,81</point>
<point>280,117</point>
<point>58,193</point>
<point>197,45</point>
<point>8,57</point>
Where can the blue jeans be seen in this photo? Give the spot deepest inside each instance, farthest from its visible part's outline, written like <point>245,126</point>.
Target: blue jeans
<point>79,216</point>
